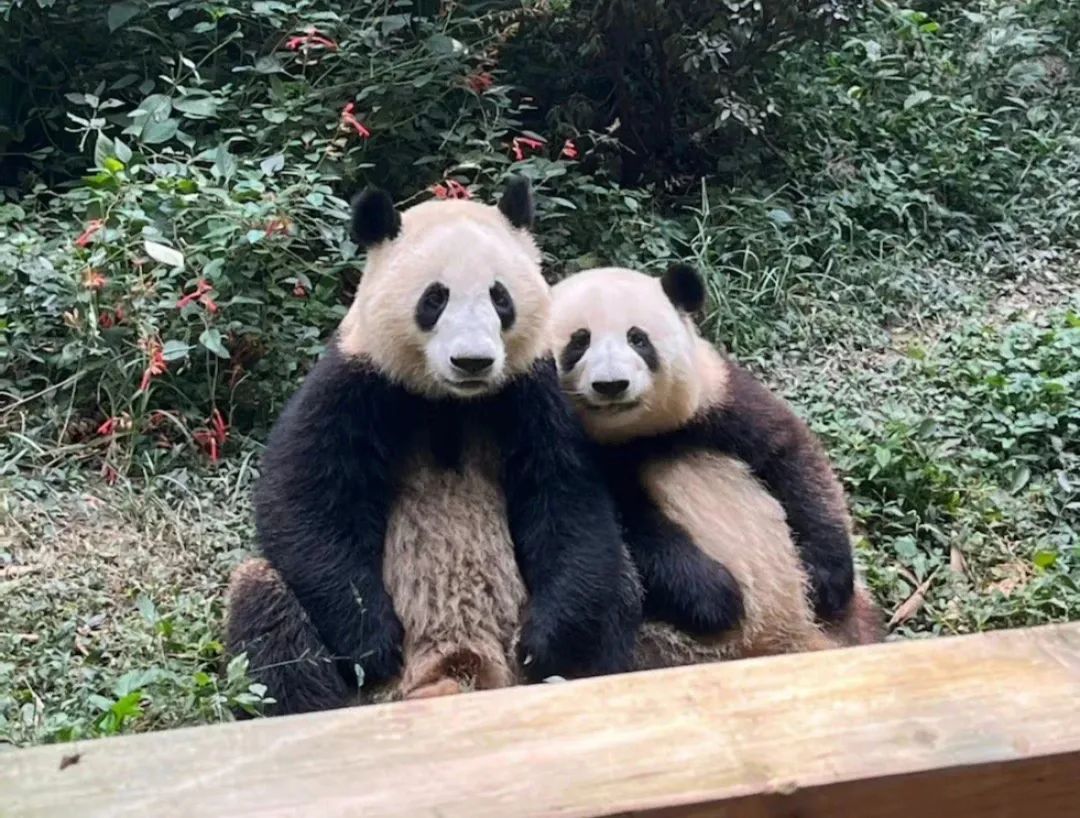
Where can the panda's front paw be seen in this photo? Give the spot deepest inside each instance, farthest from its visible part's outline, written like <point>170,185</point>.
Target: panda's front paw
<point>832,586</point>
<point>379,659</point>
<point>536,652</point>
<point>713,603</point>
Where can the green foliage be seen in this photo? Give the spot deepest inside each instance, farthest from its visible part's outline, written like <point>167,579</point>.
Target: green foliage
<point>969,473</point>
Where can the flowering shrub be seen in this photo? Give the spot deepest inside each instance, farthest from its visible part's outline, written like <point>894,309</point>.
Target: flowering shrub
<point>197,267</point>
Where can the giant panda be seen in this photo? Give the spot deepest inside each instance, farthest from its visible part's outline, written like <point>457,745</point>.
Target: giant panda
<point>427,516</point>
<point>729,506</point>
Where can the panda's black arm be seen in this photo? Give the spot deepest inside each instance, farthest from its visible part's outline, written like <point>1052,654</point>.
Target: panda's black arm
<point>683,585</point>
<point>322,504</point>
<point>584,604</point>
<point>760,429</point>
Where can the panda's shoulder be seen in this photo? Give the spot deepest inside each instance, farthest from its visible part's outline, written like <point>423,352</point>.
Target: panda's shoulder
<point>748,410</point>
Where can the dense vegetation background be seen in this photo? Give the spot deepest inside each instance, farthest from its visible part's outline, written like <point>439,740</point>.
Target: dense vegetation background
<point>885,200</point>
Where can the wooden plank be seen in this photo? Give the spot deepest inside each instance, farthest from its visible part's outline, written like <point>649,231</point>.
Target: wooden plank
<point>985,725</point>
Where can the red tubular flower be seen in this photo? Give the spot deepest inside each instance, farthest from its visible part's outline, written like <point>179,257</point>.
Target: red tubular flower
<point>104,320</point>
<point>213,439</point>
<point>201,294</point>
<point>275,226</point>
<point>313,37</point>
<point>569,149</point>
<point>157,365</point>
<point>349,120</point>
<point>93,279</point>
<point>108,427</point>
<point>300,291</point>
<point>480,81</point>
<point>92,227</point>
<point>521,142</point>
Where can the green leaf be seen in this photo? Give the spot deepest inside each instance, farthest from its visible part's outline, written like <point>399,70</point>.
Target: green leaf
<point>883,456</point>
<point>272,164</point>
<point>211,339</point>
<point>103,149</point>
<point>1020,478</point>
<point>175,350</point>
<point>123,152</point>
<point>165,255</point>
<point>119,14</point>
<point>917,98</point>
<point>274,115</point>
<point>1044,559</point>
<point>146,606</point>
<point>113,165</point>
<point>779,217</point>
<point>198,107</point>
<point>224,162</point>
<point>155,133</point>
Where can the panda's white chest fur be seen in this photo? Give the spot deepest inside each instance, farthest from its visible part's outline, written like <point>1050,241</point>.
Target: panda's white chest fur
<point>450,568</point>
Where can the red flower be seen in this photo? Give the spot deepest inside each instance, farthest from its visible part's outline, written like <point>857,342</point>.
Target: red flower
<point>314,37</point>
<point>522,142</point>
<point>108,427</point>
<point>275,226</point>
<point>569,149</point>
<point>92,227</point>
<point>349,120</point>
<point>453,189</point>
<point>203,288</point>
<point>109,473</point>
<point>480,81</point>
<point>93,279</point>
<point>104,320</point>
<point>157,365</point>
<point>213,438</point>
<point>300,291</point>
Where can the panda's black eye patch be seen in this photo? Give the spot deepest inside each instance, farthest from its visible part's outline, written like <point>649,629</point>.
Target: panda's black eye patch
<point>504,305</point>
<point>431,305</point>
<point>640,343</point>
<point>574,349</point>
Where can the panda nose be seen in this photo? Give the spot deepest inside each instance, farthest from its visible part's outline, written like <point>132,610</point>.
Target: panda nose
<point>472,366</point>
<point>610,389</point>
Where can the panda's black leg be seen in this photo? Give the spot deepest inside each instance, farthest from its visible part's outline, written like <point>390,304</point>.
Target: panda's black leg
<point>683,585</point>
<point>284,651</point>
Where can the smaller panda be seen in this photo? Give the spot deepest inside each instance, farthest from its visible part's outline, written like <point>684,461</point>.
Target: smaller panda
<point>426,509</point>
<point>729,506</point>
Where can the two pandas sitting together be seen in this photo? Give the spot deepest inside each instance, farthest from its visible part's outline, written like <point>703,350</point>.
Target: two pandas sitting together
<point>487,481</point>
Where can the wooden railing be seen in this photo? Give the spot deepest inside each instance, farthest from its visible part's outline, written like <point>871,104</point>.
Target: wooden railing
<point>985,725</point>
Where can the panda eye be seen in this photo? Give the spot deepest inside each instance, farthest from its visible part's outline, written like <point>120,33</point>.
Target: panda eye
<point>640,343</point>
<point>579,339</point>
<point>431,305</point>
<point>503,303</point>
<point>574,349</point>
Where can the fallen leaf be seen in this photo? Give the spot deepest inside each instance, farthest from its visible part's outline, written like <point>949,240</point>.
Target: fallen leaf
<point>910,606</point>
<point>957,563</point>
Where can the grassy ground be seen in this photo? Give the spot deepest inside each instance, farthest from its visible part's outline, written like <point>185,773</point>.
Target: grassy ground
<point>954,423</point>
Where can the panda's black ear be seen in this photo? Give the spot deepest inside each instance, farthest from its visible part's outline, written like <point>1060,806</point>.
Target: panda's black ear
<point>685,287</point>
<point>374,218</point>
<point>517,203</point>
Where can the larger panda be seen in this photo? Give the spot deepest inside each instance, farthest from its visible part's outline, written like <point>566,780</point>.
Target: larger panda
<point>730,509</point>
<point>425,511</point>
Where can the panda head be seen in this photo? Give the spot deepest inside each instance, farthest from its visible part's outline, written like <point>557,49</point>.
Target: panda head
<point>452,302</point>
<point>628,354</point>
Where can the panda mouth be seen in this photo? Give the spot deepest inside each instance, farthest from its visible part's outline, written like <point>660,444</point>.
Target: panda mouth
<point>614,408</point>
<point>469,386</point>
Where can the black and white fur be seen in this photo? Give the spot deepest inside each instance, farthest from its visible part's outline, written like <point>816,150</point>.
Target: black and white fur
<point>721,487</point>
<point>426,509</point>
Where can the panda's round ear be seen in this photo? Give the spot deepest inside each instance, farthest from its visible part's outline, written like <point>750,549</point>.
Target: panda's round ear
<point>517,203</point>
<point>374,218</point>
<point>684,287</point>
